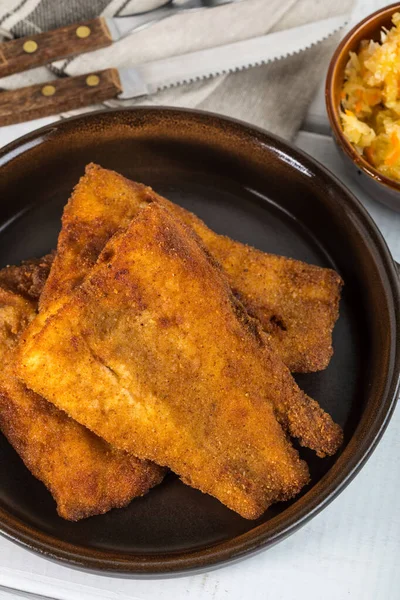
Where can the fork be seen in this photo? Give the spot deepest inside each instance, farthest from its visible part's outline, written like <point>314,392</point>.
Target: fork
<point>25,53</point>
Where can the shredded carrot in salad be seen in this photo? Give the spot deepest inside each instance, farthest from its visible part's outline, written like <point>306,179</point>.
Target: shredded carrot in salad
<point>370,101</point>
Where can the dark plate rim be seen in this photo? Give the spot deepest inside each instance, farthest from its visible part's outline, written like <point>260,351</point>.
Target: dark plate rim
<point>328,488</point>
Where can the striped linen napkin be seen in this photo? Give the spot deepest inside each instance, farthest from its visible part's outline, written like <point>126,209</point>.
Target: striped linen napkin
<point>274,96</point>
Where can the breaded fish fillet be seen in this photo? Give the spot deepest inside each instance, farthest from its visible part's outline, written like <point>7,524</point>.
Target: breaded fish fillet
<point>84,474</point>
<point>104,201</point>
<point>296,303</point>
<point>155,354</point>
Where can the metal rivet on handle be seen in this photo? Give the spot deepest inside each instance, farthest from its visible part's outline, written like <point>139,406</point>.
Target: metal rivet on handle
<point>30,46</point>
<point>83,31</point>
<point>92,80</point>
<point>48,90</point>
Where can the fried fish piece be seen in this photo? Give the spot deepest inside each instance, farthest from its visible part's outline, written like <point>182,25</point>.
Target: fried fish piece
<point>85,475</point>
<point>155,354</point>
<point>104,201</point>
<point>297,304</point>
<point>28,278</point>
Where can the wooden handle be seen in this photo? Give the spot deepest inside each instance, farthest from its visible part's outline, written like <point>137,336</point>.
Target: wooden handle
<point>28,52</point>
<point>46,99</point>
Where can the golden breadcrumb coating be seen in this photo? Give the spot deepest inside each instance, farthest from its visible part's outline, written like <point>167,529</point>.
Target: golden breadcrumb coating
<point>85,475</point>
<point>297,304</point>
<point>304,295</point>
<point>155,354</point>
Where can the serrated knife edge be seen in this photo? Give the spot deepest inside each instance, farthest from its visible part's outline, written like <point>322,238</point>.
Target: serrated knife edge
<point>154,76</point>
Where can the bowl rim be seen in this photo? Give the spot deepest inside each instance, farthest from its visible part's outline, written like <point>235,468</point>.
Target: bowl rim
<point>333,110</point>
<point>281,526</point>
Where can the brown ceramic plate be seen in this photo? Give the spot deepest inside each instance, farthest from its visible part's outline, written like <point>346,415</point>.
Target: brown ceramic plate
<point>254,187</point>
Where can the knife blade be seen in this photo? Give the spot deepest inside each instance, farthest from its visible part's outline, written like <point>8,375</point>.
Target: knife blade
<point>152,77</point>
<point>77,92</point>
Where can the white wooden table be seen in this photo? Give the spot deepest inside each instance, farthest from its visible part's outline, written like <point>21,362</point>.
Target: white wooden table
<point>351,550</point>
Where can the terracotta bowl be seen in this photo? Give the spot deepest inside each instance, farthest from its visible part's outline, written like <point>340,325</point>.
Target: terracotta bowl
<point>378,186</point>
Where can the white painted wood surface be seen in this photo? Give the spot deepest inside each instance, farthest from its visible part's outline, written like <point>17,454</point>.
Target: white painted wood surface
<point>350,550</point>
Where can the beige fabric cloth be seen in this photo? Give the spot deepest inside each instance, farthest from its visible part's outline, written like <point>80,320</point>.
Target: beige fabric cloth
<point>273,96</point>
